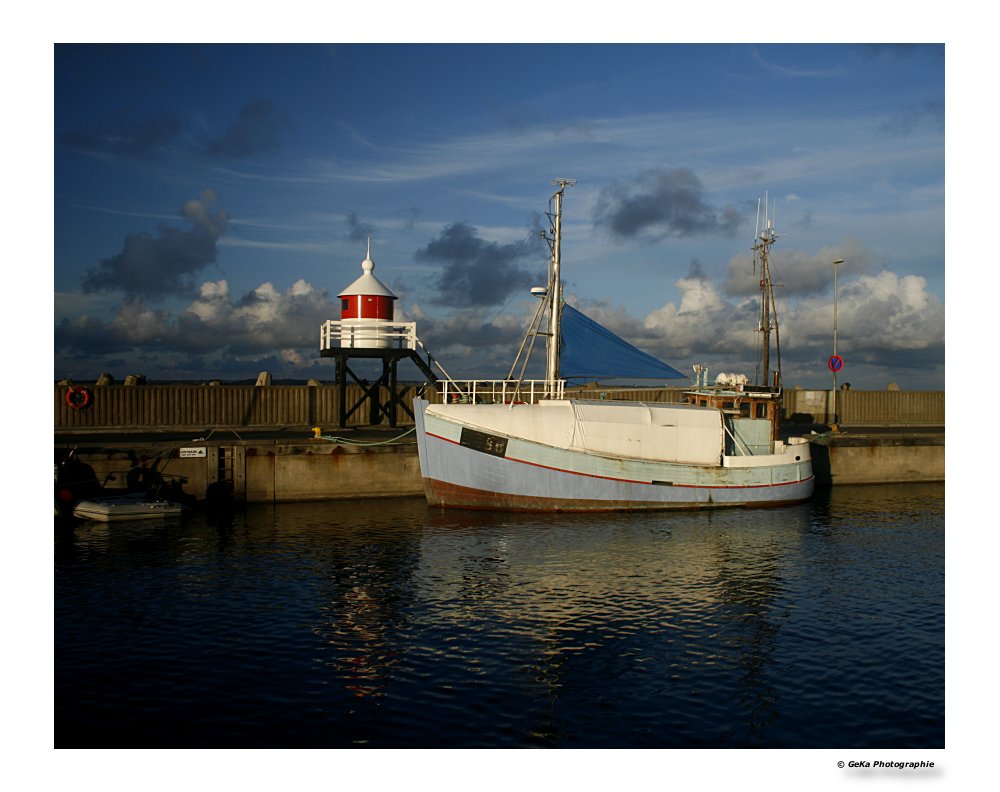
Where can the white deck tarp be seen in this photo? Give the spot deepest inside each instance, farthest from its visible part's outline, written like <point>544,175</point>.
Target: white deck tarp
<point>633,430</point>
<point>661,433</point>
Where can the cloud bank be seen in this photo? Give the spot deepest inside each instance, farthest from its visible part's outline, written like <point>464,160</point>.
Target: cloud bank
<point>661,203</point>
<point>475,271</point>
<point>168,263</point>
<point>886,320</point>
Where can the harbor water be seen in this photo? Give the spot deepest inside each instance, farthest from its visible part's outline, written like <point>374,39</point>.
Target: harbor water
<point>388,624</point>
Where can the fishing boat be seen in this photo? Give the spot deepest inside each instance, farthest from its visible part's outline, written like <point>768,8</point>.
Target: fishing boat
<point>526,445</point>
<point>136,506</point>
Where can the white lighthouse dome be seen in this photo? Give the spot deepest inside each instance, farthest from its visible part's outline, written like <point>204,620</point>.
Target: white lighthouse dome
<point>366,310</point>
<point>368,284</point>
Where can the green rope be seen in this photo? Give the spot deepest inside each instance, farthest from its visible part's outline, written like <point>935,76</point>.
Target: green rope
<point>346,441</point>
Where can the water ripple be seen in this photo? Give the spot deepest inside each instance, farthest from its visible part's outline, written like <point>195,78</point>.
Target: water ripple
<point>385,623</point>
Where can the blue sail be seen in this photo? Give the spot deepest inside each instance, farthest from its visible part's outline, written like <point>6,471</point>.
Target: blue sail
<point>590,351</point>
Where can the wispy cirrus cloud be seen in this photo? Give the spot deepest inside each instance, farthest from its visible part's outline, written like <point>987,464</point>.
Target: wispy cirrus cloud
<point>127,136</point>
<point>257,130</point>
<point>908,119</point>
<point>779,70</point>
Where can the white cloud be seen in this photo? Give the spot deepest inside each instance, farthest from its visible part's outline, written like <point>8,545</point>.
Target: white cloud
<point>884,321</point>
<point>264,323</point>
<point>796,272</point>
<point>294,358</point>
<point>702,322</point>
<point>886,312</point>
<point>140,323</point>
<point>212,302</point>
<point>301,288</point>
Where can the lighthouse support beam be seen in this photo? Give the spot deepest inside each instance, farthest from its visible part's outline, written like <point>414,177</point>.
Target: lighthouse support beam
<point>396,394</point>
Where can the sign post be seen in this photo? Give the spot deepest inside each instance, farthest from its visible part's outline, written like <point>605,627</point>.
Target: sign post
<point>836,364</point>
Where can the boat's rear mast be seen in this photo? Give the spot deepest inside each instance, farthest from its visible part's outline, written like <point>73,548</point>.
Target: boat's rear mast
<point>768,320</point>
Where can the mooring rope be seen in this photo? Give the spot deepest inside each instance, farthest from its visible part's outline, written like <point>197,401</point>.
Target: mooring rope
<point>347,441</point>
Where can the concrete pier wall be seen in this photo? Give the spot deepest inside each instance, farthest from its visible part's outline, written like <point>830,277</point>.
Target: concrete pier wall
<point>866,459</point>
<point>265,472</point>
<point>302,473</point>
<point>127,427</point>
<point>273,471</point>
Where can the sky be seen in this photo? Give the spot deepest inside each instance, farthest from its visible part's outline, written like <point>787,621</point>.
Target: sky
<point>211,201</point>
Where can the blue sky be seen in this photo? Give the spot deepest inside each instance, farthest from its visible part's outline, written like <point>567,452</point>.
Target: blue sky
<point>212,200</point>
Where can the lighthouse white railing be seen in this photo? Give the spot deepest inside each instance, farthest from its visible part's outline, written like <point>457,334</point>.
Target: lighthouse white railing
<point>335,334</point>
<point>499,391</point>
<point>338,334</point>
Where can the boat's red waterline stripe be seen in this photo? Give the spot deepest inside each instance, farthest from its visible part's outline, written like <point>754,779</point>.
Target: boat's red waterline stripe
<point>634,481</point>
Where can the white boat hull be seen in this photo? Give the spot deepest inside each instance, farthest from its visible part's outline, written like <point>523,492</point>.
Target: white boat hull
<point>120,508</point>
<point>486,468</point>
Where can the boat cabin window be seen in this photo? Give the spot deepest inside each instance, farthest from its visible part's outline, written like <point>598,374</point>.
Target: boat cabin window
<point>762,409</point>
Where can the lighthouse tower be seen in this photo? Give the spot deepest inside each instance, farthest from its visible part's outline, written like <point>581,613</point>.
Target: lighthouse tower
<point>366,308</point>
<point>367,333</point>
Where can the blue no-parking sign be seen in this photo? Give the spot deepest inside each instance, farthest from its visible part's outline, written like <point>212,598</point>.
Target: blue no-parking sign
<point>836,363</point>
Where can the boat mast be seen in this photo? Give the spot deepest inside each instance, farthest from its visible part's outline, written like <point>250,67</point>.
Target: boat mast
<point>555,284</point>
<point>768,313</point>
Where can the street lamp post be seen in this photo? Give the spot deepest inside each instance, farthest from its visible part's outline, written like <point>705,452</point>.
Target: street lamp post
<point>836,398</point>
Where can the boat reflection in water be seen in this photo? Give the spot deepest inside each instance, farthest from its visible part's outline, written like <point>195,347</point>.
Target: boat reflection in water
<point>390,624</point>
<point>611,614</point>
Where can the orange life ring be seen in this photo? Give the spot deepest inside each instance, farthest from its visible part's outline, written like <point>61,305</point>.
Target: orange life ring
<point>79,397</point>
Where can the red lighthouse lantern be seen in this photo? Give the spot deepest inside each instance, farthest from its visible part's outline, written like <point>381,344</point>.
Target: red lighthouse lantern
<point>366,308</point>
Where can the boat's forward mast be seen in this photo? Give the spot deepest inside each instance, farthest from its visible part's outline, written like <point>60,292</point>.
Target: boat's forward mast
<point>549,311</point>
<point>555,298</point>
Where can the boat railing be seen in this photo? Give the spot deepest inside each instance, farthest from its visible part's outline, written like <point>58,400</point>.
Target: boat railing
<point>337,334</point>
<point>500,391</point>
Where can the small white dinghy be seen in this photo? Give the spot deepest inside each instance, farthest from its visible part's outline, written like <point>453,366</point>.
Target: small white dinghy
<point>138,506</point>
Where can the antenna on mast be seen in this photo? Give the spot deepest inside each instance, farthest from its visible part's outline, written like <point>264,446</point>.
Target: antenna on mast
<point>756,233</point>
